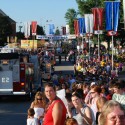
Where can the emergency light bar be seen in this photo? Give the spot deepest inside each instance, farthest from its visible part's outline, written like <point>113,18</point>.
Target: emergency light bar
<point>5,62</point>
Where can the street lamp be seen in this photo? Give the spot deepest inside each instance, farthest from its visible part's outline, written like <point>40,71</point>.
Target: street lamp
<point>20,26</point>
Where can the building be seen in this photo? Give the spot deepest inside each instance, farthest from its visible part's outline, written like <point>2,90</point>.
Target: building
<point>13,23</point>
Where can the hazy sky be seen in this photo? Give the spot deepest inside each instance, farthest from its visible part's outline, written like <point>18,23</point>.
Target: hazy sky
<point>38,10</point>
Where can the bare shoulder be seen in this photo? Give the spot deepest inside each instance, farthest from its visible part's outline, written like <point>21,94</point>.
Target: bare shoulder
<point>87,109</point>
<point>58,105</point>
<point>32,105</point>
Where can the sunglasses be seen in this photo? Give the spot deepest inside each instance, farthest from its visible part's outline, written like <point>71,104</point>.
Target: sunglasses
<point>39,98</point>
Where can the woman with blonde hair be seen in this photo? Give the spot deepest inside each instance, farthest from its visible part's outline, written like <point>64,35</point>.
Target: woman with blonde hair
<point>100,103</point>
<point>95,93</point>
<point>38,105</point>
<point>112,114</point>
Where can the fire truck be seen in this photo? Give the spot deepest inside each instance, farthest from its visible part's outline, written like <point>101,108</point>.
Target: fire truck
<point>16,74</point>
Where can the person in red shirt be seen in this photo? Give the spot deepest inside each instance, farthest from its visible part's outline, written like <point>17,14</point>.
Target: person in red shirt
<point>56,110</point>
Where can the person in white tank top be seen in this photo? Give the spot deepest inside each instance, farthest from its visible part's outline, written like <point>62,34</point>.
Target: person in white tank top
<point>39,106</point>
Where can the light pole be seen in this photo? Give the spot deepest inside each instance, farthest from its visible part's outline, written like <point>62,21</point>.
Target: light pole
<point>20,26</point>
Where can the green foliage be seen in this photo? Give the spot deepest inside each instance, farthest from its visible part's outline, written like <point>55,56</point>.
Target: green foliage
<point>57,32</point>
<point>20,35</point>
<point>70,15</point>
<point>85,6</point>
<point>40,30</point>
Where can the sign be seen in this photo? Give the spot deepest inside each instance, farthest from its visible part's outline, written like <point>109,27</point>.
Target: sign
<point>72,36</point>
<point>51,37</point>
<point>29,44</point>
<point>112,33</point>
<point>98,32</point>
<point>61,94</point>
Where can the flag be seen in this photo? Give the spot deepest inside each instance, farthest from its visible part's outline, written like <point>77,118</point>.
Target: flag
<point>81,25</point>
<point>112,15</point>
<point>98,18</point>
<point>51,29</point>
<point>89,23</point>
<point>124,11</point>
<point>67,29</point>
<point>76,27</point>
<point>63,30</point>
<point>27,29</point>
<point>34,27</point>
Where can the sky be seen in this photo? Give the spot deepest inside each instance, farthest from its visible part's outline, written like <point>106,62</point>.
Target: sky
<point>38,10</point>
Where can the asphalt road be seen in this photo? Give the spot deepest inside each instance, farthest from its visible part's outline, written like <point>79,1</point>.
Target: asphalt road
<point>13,111</point>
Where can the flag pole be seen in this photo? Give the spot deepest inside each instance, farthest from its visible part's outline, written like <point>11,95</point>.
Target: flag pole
<point>112,41</point>
<point>98,44</point>
<point>89,45</point>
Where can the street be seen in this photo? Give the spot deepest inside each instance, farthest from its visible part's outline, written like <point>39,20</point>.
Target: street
<point>13,110</point>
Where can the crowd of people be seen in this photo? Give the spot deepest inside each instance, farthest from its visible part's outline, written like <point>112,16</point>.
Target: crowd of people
<point>87,104</point>
<point>94,96</point>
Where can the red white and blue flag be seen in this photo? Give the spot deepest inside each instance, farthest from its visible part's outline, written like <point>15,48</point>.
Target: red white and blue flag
<point>34,27</point>
<point>82,26</point>
<point>89,23</point>
<point>98,18</point>
<point>124,11</point>
<point>76,27</point>
<point>112,15</point>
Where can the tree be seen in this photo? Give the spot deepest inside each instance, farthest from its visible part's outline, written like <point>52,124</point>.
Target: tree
<point>40,30</point>
<point>85,6</point>
<point>70,15</point>
<point>57,32</point>
<point>20,35</point>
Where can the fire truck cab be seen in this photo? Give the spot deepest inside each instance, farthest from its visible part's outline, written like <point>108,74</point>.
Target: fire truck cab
<point>16,74</point>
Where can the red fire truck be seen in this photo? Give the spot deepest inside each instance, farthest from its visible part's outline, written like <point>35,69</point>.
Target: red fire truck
<point>16,75</point>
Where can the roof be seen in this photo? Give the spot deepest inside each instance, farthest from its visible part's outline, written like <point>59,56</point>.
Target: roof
<point>3,14</point>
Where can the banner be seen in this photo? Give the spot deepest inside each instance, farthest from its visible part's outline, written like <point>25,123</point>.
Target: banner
<point>124,11</point>
<point>82,25</point>
<point>29,44</point>
<point>76,27</point>
<point>51,29</point>
<point>112,15</point>
<point>89,23</point>
<point>27,29</point>
<point>63,30</point>
<point>67,30</point>
<point>34,27</point>
<point>98,18</point>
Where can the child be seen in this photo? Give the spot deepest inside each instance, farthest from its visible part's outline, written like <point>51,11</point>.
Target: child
<point>31,120</point>
<point>71,121</point>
